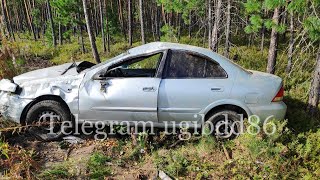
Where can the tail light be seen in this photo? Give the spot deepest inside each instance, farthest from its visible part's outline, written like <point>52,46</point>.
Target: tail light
<point>279,96</point>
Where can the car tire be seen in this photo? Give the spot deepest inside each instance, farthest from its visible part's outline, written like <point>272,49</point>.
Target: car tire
<point>219,123</point>
<point>44,109</point>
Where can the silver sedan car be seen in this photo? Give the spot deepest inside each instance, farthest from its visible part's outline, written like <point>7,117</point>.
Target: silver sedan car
<point>162,83</point>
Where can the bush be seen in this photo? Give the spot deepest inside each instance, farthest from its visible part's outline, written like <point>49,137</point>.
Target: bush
<point>97,166</point>
<point>57,172</point>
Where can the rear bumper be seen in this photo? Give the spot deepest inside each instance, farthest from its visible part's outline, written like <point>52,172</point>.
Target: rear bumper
<point>276,110</point>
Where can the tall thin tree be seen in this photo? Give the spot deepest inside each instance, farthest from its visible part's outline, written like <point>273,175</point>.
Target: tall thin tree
<point>228,22</point>
<point>216,26</point>
<point>54,41</point>
<point>272,55</point>
<point>102,27</point>
<point>29,18</point>
<point>209,22</point>
<point>315,88</point>
<point>141,22</point>
<point>7,18</point>
<point>4,18</point>
<point>91,37</point>
<point>291,44</point>
<point>107,26</point>
<point>130,21</point>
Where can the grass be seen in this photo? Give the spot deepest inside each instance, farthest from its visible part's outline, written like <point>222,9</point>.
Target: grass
<point>57,172</point>
<point>280,156</point>
<point>97,166</point>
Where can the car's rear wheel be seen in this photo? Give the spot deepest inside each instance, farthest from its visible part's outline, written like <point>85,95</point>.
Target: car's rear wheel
<point>46,119</point>
<point>224,124</point>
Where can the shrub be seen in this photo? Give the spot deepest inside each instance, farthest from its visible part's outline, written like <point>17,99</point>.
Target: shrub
<point>57,172</point>
<point>97,166</point>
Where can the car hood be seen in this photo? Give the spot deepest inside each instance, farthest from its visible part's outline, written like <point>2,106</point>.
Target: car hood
<point>50,72</point>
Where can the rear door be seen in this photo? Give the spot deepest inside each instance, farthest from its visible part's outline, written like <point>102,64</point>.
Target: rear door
<point>190,83</point>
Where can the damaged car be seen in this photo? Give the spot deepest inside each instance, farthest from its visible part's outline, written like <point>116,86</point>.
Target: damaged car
<point>157,82</point>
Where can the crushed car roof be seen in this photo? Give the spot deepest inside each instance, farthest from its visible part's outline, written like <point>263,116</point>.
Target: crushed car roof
<point>154,46</point>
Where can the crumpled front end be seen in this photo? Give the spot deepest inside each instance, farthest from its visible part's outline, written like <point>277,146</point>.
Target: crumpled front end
<point>11,106</point>
<point>67,88</point>
<point>16,95</point>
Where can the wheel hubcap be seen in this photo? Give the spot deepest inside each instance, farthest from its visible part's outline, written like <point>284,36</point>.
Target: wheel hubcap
<point>49,122</point>
<point>225,129</point>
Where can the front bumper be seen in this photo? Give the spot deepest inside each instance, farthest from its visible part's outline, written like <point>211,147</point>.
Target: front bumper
<point>11,106</point>
<point>276,110</point>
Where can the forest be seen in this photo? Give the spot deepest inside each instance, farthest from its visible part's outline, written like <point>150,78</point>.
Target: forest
<point>280,37</point>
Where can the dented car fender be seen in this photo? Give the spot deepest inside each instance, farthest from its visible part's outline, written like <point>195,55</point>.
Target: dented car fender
<point>65,87</point>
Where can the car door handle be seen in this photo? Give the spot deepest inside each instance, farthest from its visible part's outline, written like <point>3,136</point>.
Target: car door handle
<point>217,89</point>
<point>149,89</point>
<point>104,85</point>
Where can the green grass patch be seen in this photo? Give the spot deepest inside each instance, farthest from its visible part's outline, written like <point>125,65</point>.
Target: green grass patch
<point>97,166</point>
<point>58,172</point>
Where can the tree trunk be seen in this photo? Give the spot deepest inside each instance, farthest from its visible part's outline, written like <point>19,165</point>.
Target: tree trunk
<point>141,22</point>
<point>262,38</point>
<point>4,18</point>
<point>83,49</point>
<point>315,89</point>
<point>102,27</point>
<point>179,26</point>
<point>227,43</point>
<point>9,26</point>
<point>51,23</point>
<point>190,25</point>
<point>263,32</point>
<point>153,25</point>
<point>272,56</point>
<point>291,44</point>
<point>130,22</point>
<point>107,26</point>
<point>30,21</point>
<point>215,30</point>
<point>19,21</point>
<point>60,34</point>
<point>163,14</point>
<point>122,20</point>
<point>91,37</point>
<point>158,23</point>
<point>283,21</point>
<point>94,18</point>
<point>209,22</point>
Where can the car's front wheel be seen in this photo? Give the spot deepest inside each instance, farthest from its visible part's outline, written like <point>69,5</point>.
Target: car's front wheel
<point>46,119</point>
<point>224,124</point>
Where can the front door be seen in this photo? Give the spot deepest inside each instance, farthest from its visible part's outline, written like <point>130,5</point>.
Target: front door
<point>129,92</point>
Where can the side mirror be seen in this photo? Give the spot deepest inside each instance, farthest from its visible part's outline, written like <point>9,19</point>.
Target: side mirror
<point>99,77</point>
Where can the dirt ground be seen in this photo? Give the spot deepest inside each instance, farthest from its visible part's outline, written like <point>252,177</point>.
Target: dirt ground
<point>50,154</point>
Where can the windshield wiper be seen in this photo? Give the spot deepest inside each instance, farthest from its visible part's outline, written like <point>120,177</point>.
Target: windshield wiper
<point>70,67</point>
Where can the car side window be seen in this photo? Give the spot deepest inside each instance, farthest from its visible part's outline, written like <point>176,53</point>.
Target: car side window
<point>148,62</point>
<point>142,66</point>
<point>184,65</point>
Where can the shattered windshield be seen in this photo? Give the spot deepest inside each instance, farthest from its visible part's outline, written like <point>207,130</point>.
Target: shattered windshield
<point>107,61</point>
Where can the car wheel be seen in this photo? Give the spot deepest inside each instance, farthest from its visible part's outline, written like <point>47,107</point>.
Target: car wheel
<point>224,124</point>
<point>46,118</point>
